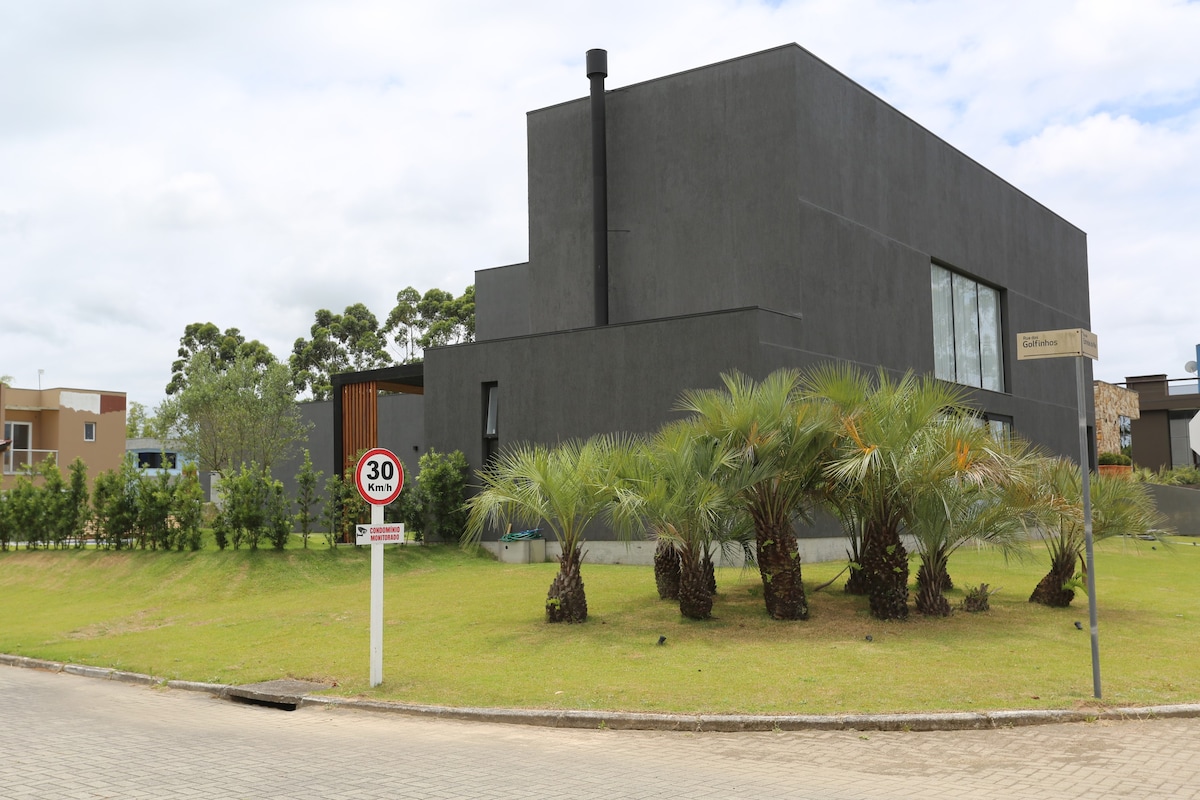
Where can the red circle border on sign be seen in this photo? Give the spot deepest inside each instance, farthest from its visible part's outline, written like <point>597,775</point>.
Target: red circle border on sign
<point>375,451</point>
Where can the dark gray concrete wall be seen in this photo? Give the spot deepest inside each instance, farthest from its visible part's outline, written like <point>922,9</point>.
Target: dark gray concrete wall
<point>1180,505</point>
<point>502,307</point>
<point>718,178</point>
<point>622,378</point>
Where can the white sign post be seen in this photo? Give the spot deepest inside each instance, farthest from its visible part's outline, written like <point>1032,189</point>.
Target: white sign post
<point>379,477</point>
<point>1080,344</point>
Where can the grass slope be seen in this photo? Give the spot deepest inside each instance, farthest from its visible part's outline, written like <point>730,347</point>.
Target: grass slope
<point>462,629</point>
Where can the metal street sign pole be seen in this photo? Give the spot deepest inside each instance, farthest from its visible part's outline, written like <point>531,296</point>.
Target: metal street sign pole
<point>1080,344</point>
<point>379,476</point>
<point>1085,483</point>
<point>377,602</point>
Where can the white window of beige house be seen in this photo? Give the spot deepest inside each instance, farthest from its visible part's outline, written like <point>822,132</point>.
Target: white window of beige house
<point>89,431</point>
<point>20,454</point>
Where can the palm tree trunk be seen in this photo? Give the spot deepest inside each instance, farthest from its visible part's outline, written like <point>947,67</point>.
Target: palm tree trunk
<point>1052,590</point>
<point>666,570</point>
<point>566,601</point>
<point>779,565</point>
<point>885,569</point>
<point>931,586</point>
<point>695,600</point>
<point>710,571</point>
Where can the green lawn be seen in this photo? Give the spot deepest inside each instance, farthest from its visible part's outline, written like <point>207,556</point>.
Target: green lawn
<point>463,629</point>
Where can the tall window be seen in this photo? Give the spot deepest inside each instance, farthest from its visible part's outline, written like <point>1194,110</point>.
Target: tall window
<point>968,345</point>
<point>491,423</point>
<point>89,431</point>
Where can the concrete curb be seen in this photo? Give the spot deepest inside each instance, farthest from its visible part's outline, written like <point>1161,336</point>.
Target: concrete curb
<point>616,720</point>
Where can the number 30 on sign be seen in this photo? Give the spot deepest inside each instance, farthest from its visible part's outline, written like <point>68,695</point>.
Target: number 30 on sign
<point>379,476</point>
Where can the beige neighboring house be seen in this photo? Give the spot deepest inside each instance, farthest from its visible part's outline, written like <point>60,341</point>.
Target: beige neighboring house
<point>1116,408</point>
<point>63,423</point>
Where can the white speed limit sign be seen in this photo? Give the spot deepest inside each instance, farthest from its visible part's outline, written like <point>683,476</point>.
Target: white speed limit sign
<point>379,476</point>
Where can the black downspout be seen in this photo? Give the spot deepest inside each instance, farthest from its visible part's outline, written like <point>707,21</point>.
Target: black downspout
<point>597,71</point>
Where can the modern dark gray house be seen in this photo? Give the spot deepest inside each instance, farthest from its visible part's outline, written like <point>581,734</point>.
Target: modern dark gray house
<point>758,213</point>
<point>762,212</point>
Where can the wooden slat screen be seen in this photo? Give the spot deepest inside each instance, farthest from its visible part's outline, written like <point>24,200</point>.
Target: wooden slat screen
<point>360,418</point>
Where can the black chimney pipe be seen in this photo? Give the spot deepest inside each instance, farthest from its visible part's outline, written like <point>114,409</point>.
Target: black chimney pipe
<point>597,71</point>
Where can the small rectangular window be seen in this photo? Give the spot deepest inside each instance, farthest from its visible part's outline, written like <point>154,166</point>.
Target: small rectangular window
<point>89,431</point>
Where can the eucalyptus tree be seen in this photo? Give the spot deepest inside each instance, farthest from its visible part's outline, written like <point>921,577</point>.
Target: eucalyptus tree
<point>1120,507</point>
<point>563,488</point>
<point>674,488</point>
<point>779,448</point>
<point>875,473</point>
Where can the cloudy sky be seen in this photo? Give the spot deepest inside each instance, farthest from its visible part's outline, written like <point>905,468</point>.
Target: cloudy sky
<point>247,162</point>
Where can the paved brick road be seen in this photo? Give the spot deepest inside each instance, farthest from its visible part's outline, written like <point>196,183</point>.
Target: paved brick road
<point>65,736</point>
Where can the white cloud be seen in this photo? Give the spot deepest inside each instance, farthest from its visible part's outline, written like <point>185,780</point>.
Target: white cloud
<point>248,163</point>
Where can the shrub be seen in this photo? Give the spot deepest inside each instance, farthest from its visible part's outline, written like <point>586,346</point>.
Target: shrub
<point>1111,459</point>
<point>189,510</point>
<point>441,486</point>
<point>279,519</point>
<point>306,496</point>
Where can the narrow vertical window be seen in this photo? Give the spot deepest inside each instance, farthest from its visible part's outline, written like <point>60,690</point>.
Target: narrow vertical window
<point>89,431</point>
<point>491,423</point>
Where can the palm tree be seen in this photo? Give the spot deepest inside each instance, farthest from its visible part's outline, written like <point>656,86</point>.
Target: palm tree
<point>883,425</point>
<point>779,446</point>
<point>1120,507</point>
<point>563,488</point>
<point>967,486</point>
<point>675,491</point>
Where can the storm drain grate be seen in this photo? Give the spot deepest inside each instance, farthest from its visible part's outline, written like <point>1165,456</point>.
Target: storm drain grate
<point>285,694</point>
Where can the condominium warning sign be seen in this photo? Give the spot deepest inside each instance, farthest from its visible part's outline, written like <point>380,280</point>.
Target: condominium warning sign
<point>1057,344</point>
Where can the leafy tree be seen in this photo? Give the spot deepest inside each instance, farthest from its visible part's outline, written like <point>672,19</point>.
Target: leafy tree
<point>25,512</point>
<point>434,319</point>
<point>77,511</point>
<point>441,485</point>
<point>8,527</point>
<point>350,341</point>
<point>140,422</point>
<point>446,319</point>
<point>331,513</point>
<point>115,505</point>
<point>156,501</point>
<point>404,325</point>
<point>54,517</point>
<point>237,413</point>
<point>188,509</point>
<point>220,348</point>
<point>1119,508</point>
<point>306,496</point>
<point>780,448</point>
<point>279,519</point>
<point>245,494</point>
<point>563,488</point>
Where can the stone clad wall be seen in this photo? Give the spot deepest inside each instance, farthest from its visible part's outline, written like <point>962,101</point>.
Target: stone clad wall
<point>1112,402</point>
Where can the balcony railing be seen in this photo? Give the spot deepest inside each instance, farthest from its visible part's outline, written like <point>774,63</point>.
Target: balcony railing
<point>17,461</point>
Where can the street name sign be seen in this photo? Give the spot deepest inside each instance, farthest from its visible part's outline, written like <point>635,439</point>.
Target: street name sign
<point>1057,344</point>
<point>379,534</point>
